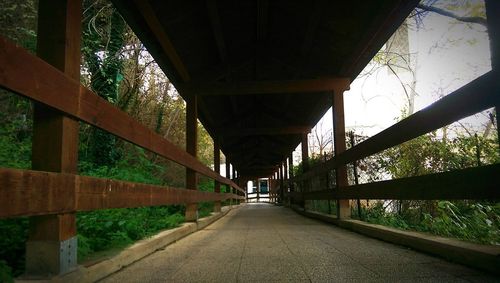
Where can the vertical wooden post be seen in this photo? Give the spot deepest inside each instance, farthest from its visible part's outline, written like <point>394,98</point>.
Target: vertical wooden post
<point>305,166</point>
<point>217,204</point>
<point>286,180</point>
<point>343,209</point>
<point>280,182</point>
<point>258,189</point>
<point>493,21</point>
<point>51,248</point>
<point>305,152</point>
<point>191,148</point>
<point>290,170</point>
<point>236,181</point>
<point>246,191</point>
<point>290,177</point>
<point>228,175</point>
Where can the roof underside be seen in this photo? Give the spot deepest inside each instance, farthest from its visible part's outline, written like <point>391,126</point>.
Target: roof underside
<point>230,42</point>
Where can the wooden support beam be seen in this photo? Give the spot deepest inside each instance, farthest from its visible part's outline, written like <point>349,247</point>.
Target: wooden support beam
<point>290,171</point>
<point>27,193</point>
<point>33,78</point>
<point>450,185</point>
<point>154,24</point>
<point>493,20</point>
<point>388,20</point>
<point>312,26</point>
<point>217,204</point>
<point>305,152</point>
<point>258,188</point>
<point>192,149</point>
<point>261,34</point>
<point>285,179</point>
<point>343,209</point>
<point>268,87</point>
<point>55,139</point>
<point>213,15</point>
<point>288,130</point>
<point>228,176</point>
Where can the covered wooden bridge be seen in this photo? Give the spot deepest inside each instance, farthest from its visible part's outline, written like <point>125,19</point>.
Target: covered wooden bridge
<point>258,74</point>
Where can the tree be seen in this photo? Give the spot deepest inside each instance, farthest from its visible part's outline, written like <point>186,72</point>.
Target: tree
<point>103,39</point>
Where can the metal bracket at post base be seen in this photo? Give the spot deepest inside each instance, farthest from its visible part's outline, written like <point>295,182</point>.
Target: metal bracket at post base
<point>45,259</point>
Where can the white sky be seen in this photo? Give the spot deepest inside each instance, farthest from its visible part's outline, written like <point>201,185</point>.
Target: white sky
<point>446,60</point>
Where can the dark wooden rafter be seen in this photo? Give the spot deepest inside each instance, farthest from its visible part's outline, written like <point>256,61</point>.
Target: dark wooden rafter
<point>383,26</point>
<point>222,71</point>
<point>289,130</point>
<point>221,45</point>
<point>217,30</point>
<point>312,26</point>
<point>262,12</point>
<point>169,49</point>
<point>154,24</point>
<point>269,87</point>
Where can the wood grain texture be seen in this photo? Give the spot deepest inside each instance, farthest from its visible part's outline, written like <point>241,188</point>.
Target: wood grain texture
<point>472,183</point>
<point>28,75</point>
<point>28,193</point>
<point>300,87</point>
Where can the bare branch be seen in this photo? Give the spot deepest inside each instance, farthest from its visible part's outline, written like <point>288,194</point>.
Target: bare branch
<point>474,20</point>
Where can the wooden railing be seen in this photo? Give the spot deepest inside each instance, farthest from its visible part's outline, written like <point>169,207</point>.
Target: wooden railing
<point>26,192</point>
<point>473,183</point>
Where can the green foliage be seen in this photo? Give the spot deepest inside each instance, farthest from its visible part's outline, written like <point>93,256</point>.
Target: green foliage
<point>205,208</point>
<point>378,214</point>
<point>18,22</point>
<point>467,220</point>
<point>15,153</point>
<point>103,39</point>
<point>15,131</point>
<point>471,221</point>
<point>12,249</point>
<point>117,228</point>
<point>477,222</point>
<point>5,272</point>
<point>134,166</point>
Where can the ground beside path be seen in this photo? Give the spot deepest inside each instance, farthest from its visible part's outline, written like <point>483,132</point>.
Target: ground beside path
<point>266,243</point>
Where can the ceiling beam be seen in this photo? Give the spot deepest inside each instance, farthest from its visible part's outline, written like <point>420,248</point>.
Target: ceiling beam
<point>383,26</point>
<point>264,131</point>
<point>213,15</point>
<point>154,24</point>
<point>269,87</point>
<point>312,26</point>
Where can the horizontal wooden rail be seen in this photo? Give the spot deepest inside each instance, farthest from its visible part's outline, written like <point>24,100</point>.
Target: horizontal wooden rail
<point>471,183</point>
<point>26,193</point>
<point>30,76</point>
<point>478,95</point>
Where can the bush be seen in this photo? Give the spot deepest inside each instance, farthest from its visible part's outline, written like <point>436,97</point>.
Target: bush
<point>12,245</point>
<point>475,222</point>
<point>117,228</point>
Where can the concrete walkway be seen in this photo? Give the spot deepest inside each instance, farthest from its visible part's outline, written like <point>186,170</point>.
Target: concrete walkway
<point>265,243</point>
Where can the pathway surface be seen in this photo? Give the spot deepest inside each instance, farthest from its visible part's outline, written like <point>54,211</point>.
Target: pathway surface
<point>265,243</point>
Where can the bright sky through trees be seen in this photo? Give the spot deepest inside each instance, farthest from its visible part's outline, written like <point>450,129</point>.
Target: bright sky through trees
<point>447,54</point>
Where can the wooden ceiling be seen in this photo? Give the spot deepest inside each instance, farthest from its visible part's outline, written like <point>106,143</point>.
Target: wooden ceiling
<point>265,70</point>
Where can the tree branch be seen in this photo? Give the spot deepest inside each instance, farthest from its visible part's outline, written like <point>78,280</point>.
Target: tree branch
<point>474,20</point>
